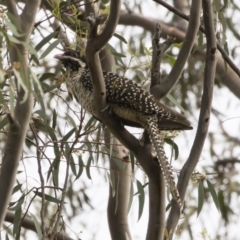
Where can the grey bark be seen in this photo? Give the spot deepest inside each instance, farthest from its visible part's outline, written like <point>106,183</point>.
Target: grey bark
<point>18,122</point>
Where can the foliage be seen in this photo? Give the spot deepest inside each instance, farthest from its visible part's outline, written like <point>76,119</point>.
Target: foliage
<point>64,149</point>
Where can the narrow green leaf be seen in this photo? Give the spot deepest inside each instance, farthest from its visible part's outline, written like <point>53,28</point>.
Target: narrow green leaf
<point>213,193</point>
<point>81,166</point>
<point>177,45</point>
<point>17,222</point>
<point>117,194</point>
<point>37,226</point>
<point>22,83</point>
<point>63,4</point>
<point>47,76</point>
<point>54,119</point>
<point>88,166</point>
<point>4,122</point>
<point>30,48</point>
<point>13,39</point>
<point>91,122</point>
<point>114,52</point>
<point>132,161</point>
<point>174,146</point>
<point>38,94</point>
<point>71,120</point>
<point>71,160</point>
<point>225,46</point>
<point>146,50</point>
<point>46,40</point>
<point>171,59</point>
<point>140,75</point>
<point>111,178</point>
<point>13,28</point>
<point>106,10</point>
<point>175,102</point>
<point>98,135</point>
<point>16,188</point>
<point>120,55</point>
<point>19,203</point>
<point>141,198</point>
<point>6,237</point>
<point>47,197</point>
<point>120,37</point>
<point>111,146</point>
<point>51,133</point>
<point>49,88</point>
<point>223,206</point>
<point>38,87</point>
<point>12,97</point>
<point>15,21</point>
<point>35,59</point>
<point>119,163</point>
<point>73,165</point>
<point>50,48</point>
<point>56,171</point>
<point>200,197</point>
<point>68,135</point>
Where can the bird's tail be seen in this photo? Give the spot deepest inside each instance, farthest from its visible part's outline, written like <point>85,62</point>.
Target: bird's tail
<point>166,168</point>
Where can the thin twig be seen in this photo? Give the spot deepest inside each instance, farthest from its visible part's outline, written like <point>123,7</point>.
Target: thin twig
<point>54,231</point>
<point>41,180</point>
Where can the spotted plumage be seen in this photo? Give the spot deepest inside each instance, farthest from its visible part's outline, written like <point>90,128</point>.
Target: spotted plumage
<point>128,102</point>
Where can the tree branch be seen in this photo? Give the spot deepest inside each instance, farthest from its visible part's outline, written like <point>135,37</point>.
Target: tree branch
<point>162,89</point>
<point>27,223</point>
<point>118,202</point>
<point>229,78</point>
<point>99,90</point>
<point>141,152</point>
<point>209,75</point>
<point>101,39</point>
<point>219,47</point>
<point>156,56</point>
<point>22,112</point>
<point>157,189</point>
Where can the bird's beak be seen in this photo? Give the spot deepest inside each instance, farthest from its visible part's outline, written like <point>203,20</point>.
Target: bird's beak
<point>59,56</point>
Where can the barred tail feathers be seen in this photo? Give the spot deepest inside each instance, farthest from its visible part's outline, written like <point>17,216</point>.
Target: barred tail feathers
<point>166,168</point>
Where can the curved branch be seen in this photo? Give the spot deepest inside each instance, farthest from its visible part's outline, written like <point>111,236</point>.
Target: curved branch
<point>157,188</point>
<point>94,44</point>
<point>106,34</point>
<point>219,47</point>
<point>162,89</point>
<point>209,75</point>
<point>27,223</point>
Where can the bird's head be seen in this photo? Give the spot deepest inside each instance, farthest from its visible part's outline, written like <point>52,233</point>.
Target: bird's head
<point>71,60</point>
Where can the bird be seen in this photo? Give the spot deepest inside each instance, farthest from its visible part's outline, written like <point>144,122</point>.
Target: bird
<point>128,102</point>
